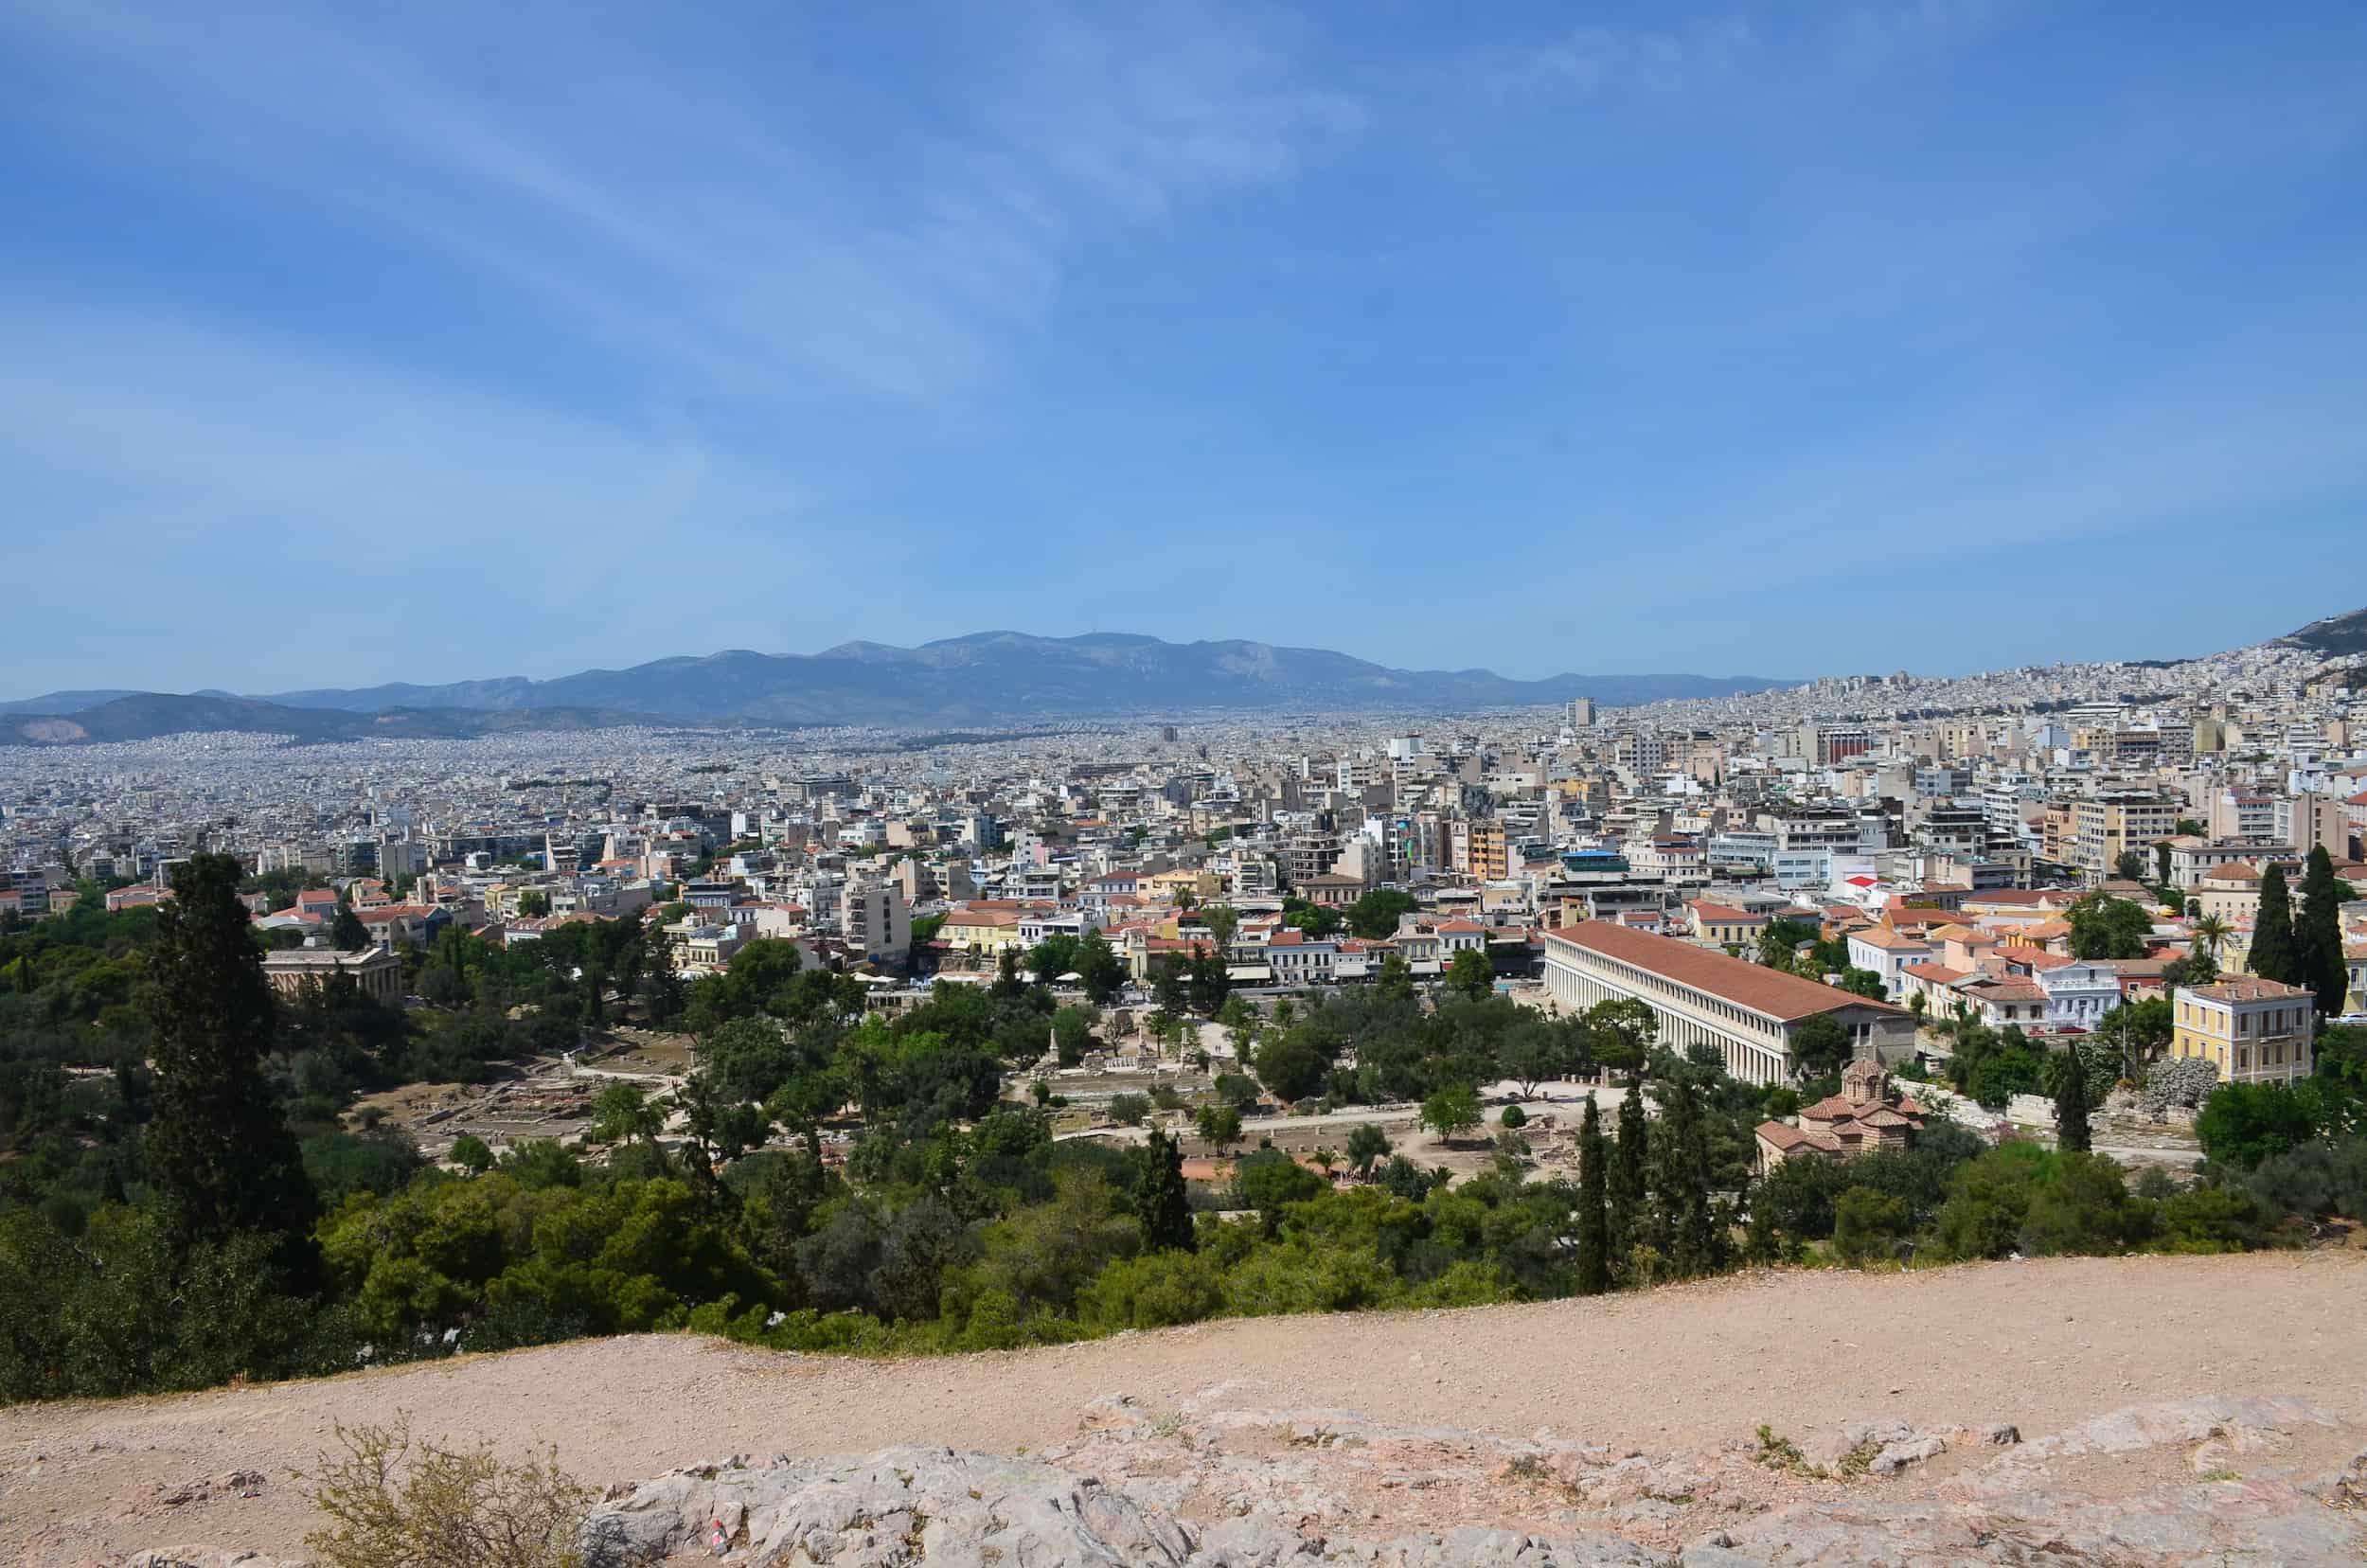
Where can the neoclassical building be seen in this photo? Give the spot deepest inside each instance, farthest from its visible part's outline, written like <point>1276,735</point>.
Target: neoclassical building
<point>1747,1011</point>
<point>376,971</point>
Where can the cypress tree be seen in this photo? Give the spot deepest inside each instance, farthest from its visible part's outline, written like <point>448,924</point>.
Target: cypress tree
<point>2070,1103</point>
<point>2318,935</point>
<point>2273,956</point>
<point>1626,1185</point>
<point>1593,1198</point>
<point>219,1157</point>
<point>1667,1181</point>
<point>1702,1233</point>
<point>1163,1210</point>
<point>1761,1246</point>
<point>1682,1231</point>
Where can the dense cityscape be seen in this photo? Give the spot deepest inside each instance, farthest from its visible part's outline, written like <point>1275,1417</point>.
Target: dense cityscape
<point>860,1018</point>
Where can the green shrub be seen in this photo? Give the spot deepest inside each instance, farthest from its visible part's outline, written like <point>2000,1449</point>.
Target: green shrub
<point>2208,1219</point>
<point>113,1311</point>
<point>340,1164</point>
<point>1271,1180</point>
<point>1237,1090</point>
<point>1867,1226</point>
<point>1988,1200</point>
<point>2243,1124</point>
<point>2317,1179</point>
<point>1156,1291</point>
<point>995,1322</point>
<point>1468,1283</point>
<point>2085,1207</point>
<point>1294,1276</point>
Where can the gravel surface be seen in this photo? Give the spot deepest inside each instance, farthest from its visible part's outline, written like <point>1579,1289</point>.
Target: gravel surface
<point>2042,1345</point>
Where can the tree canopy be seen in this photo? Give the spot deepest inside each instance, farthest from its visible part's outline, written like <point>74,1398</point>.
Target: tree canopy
<point>222,1161</point>
<point>1376,915</point>
<point>2317,935</point>
<point>2274,954</point>
<point>2104,927</point>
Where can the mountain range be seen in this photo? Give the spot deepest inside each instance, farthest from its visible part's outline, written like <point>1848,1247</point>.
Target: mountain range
<point>145,715</point>
<point>986,678</point>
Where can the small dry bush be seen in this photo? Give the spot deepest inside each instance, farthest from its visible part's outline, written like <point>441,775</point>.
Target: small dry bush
<point>401,1502</point>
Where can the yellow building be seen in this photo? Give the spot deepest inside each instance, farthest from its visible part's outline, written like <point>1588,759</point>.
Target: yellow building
<point>1201,885</point>
<point>2252,1031</point>
<point>1721,926</point>
<point>981,928</point>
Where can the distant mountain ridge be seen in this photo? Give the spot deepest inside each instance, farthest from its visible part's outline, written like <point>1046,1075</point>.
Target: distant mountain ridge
<point>986,678</point>
<point>145,715</point>
<point>64,702</point>
<point>992,676</point>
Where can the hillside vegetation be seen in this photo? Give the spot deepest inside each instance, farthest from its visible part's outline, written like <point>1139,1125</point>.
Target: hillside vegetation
<point>185,1203</point>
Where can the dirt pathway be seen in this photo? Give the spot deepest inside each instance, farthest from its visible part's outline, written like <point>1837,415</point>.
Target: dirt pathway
<point>2038,1344</point>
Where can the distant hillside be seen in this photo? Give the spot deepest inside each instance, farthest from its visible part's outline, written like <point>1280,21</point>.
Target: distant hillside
<point>2332,636</point>
<point>1004,676</point>
<point>985,679</point>
<point>142,715</point>
<point>63,701</point>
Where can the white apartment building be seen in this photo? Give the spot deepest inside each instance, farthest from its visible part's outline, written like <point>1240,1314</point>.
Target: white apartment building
<point>2079,994</point>
<point>1887,953</point>
<point>1297,959</point>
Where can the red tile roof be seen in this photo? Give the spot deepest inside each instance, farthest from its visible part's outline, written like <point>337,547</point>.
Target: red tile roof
<point>1938,974</point>
<point>1778,995</point>
<point>2248,990</point>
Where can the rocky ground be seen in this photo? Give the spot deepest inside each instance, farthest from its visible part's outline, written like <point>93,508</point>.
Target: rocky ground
<point>2196,1481</point>
<point>2130,1411</point>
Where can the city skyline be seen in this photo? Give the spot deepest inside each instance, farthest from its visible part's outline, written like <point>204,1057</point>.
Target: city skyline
<point>444,346</point>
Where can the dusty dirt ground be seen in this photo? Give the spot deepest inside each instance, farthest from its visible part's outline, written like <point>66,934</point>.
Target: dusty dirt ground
<point>2042,1345</point>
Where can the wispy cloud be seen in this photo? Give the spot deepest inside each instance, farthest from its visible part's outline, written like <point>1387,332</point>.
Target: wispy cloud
<point>1593,61</point>
<point>158,460</point>
<point>698,221</point>
<point>1171,104</point>
<point>1868,37</point>
<point>1713,53</point>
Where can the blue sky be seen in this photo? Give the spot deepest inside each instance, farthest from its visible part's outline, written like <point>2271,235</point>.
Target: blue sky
<point>342,344</point>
